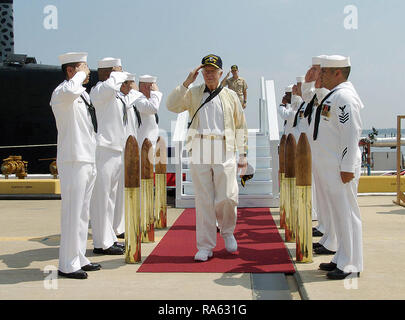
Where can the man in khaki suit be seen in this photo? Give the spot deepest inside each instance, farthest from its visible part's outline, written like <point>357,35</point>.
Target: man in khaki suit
<point>237,84</point>
<point>217,130</point>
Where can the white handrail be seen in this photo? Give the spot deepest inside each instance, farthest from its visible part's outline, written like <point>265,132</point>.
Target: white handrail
<point>272,111</point>
<point>274,136</point>
<point>180,130</point>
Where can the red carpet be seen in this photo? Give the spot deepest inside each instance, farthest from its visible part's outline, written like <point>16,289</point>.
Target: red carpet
<point>260,247</point>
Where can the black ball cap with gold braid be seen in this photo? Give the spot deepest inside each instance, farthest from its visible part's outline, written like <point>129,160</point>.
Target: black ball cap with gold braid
<point>212,60</point>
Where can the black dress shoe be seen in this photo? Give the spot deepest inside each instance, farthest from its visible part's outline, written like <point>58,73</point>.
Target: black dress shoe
<point>327,266</point>
<point>119,244</point>
<point>79,274</point>
<point>91,267</point>
<point>316,245</point>
<point>338,274</point>
<point>323,250</point>
<point>113,250</point>
<point>316,233</point>
<point>121,236</point>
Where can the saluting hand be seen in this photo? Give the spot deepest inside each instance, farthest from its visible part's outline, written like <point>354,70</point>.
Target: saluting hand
<point>154,87</point>
<point>299,90</point>
<point>192,76</point>
<point>311,75</point>
<point>294,90</point>
<point>285,100</point>
<point>83,67</point>
<point>133,86</point>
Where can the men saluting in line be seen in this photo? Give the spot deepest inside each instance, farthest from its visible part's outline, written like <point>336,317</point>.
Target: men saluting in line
<point>112,111</point>
<point>76,123</point>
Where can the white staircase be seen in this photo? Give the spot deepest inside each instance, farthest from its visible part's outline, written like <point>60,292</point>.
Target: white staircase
<point>263,189</point>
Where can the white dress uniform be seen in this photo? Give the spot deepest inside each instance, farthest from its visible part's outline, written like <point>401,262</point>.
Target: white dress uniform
<point>335,149</point>
<point>322,205</point>
<point>76,166</point>
<point>131,127</point>
<point>147,109</point>
<point>287,112</point>
<point>111,137</point>
<point>300,124</point>
<point>312,97</point>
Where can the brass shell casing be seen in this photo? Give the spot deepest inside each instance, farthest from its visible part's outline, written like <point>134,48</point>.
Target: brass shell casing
<point>160,201</point>
<point>282,204</point>
<point>290,210</point>
<point>132,226</point>
<point>147,217</point>
<point>304,224</point>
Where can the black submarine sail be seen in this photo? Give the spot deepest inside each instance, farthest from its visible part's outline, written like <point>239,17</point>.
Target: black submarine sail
<point>28,126</point>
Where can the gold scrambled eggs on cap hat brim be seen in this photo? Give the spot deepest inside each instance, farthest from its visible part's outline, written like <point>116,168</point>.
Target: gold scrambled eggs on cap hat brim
<point>212,60</point>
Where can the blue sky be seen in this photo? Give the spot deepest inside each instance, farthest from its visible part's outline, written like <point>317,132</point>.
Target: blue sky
<point>271,38</point>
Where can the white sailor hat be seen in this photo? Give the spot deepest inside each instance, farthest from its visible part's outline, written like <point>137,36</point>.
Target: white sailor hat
<point>72,57</point>
<point>130,76</point>
<point>109,63</point>
<point>317,60</point>
<point>300,79</point>
<point>289,88</point>
<point>147,78</point>
<point>335,61</point>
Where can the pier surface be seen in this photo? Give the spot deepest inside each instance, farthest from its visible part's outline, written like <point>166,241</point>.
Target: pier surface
<point>29,242</point>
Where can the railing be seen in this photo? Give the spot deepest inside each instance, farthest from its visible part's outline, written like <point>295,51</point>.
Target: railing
<point>271,129</point>
<point>179,136</point>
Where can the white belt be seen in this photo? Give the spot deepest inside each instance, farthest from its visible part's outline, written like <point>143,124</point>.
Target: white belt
<point>210,136</point>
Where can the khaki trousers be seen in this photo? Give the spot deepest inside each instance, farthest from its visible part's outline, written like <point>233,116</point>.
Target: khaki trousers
<point>213,172</point>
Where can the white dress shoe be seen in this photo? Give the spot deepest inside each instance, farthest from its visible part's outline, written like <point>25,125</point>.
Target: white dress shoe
<point>203,255</point>
<point>230,243</point>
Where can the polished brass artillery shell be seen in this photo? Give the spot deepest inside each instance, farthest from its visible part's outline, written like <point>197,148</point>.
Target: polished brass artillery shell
<point>160,201</point>
<point>291,210</point>
<point>281,160</point>
<point>160,184</point>
<point>304,226</point>
<point>304,200</point>
<point>132,226</point>
<point>289,203</point>
<point>282,200</point>
<point>132,203</point>
<point>147,217</point>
